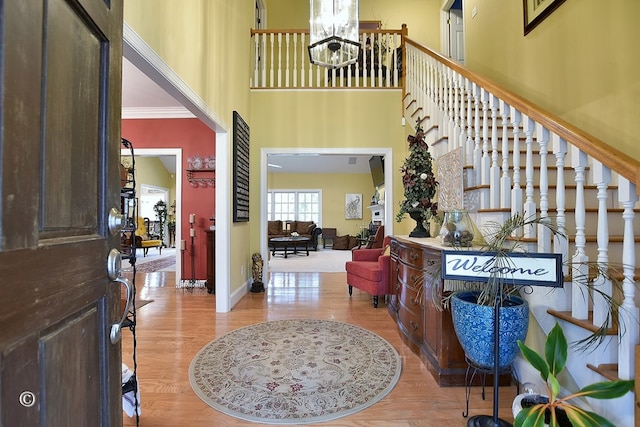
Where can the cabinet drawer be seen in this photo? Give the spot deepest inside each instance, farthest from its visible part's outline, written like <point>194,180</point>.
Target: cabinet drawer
<point>410,298</point>
<point>410,276</point>
<point>411,256</point>
<point>412,321</point>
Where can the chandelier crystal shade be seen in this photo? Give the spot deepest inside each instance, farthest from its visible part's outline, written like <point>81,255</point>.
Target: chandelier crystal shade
<point>334,37</point>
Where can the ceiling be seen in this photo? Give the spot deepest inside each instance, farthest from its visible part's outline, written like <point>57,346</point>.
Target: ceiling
<point>143,98</point>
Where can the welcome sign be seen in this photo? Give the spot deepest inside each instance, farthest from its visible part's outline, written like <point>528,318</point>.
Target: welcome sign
<point>517,268</point>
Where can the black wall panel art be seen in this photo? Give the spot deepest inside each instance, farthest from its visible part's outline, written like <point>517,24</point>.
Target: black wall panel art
<point>240,169</point>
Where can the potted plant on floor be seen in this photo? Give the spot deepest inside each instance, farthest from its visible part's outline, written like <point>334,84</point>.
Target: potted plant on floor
<point>553,410</point>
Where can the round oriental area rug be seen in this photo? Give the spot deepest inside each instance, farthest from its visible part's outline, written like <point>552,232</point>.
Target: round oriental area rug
<point>295,371</point>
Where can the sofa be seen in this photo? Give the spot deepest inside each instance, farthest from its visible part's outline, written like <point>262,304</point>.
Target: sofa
<point>303,228</point>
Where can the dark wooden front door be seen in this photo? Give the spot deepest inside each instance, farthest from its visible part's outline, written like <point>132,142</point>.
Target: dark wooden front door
<point>60,101</point>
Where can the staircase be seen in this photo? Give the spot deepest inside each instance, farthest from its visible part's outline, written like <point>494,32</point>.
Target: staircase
<point>518,158</point>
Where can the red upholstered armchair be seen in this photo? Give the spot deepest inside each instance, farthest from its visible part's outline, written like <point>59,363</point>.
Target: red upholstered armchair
<point>369,271</point>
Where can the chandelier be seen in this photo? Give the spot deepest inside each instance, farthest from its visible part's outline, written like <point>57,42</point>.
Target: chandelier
<point>334,38</point>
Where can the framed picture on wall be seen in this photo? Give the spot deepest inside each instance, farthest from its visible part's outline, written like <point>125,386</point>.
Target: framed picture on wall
<point>535,11</point>
<point>353,206</point>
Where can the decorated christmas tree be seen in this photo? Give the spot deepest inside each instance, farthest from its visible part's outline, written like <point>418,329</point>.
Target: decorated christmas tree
<point>419,184</point>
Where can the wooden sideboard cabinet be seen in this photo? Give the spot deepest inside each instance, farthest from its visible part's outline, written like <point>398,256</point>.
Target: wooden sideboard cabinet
<point>427,330</point>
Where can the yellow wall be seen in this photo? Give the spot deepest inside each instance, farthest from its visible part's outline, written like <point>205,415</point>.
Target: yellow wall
<point>151,171</point>
<point>421,16</point>
<point>325,120</point>
<point>206,42</point>
<point>581,63</point>
<point>334,187</point>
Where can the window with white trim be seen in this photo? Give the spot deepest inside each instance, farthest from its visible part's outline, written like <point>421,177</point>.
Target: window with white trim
<point>290,205</point>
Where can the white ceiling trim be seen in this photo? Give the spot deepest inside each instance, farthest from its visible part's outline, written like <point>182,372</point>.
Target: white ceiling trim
<point>156,113</point>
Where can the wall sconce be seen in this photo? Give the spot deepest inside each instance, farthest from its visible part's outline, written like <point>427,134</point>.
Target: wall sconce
<point>333,33</point>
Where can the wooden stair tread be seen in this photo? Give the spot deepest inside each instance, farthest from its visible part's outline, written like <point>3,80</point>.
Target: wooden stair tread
<point>607,370</point>
<point>583,323</point>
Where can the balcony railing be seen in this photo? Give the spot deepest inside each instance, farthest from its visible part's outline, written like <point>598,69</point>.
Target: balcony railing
<point>281,61</point>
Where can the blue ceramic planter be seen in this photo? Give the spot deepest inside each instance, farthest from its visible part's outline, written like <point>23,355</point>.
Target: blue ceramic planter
<point>473,324</point>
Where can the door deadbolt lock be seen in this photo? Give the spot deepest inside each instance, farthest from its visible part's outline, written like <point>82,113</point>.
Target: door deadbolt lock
<point>115,221</point>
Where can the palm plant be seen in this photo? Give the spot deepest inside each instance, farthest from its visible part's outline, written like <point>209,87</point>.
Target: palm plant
<point>550,366</point>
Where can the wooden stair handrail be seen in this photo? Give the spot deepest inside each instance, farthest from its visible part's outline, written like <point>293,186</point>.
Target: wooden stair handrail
<point>609,156</point>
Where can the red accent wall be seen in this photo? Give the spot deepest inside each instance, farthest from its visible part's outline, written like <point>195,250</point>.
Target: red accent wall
<point>194,138</point>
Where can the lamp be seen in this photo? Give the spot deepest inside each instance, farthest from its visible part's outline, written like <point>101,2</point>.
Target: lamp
<point>334,38</point>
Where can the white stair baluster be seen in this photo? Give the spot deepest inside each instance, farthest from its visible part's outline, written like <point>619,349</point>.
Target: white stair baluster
<point>256,60</point>
<point>516,188</point>
<point>271,75</point>
<point>543,233</point>
<point>469,145</point>
<point>287,73</point>
<point>505,180</point>
<point>629,314</point>
<point>295,60</point>
<point>560,243</point>
<point>279,59</point>
<point>303,60</point>
<point>602,178</point>
<point>477,147</point>
<point>485,173</point>
<point>529,208</point>
<point>263,61</point>
<point>580,270</point>
<point>495,168</point>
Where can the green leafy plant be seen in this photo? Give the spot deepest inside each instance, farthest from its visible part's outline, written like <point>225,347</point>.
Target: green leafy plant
<point>550,366</point>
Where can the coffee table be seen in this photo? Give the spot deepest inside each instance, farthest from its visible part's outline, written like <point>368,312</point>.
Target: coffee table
<point>286,243</point>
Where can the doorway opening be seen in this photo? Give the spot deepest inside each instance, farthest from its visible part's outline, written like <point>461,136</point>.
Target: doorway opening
<point>172,158</point>
<point>267,160</point>
<point>452,30</point>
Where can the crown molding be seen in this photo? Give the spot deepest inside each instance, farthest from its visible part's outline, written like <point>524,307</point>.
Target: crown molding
<point>157,113</point>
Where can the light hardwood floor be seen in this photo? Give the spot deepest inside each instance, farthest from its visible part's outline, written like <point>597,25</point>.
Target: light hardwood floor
<point>179,322</point>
